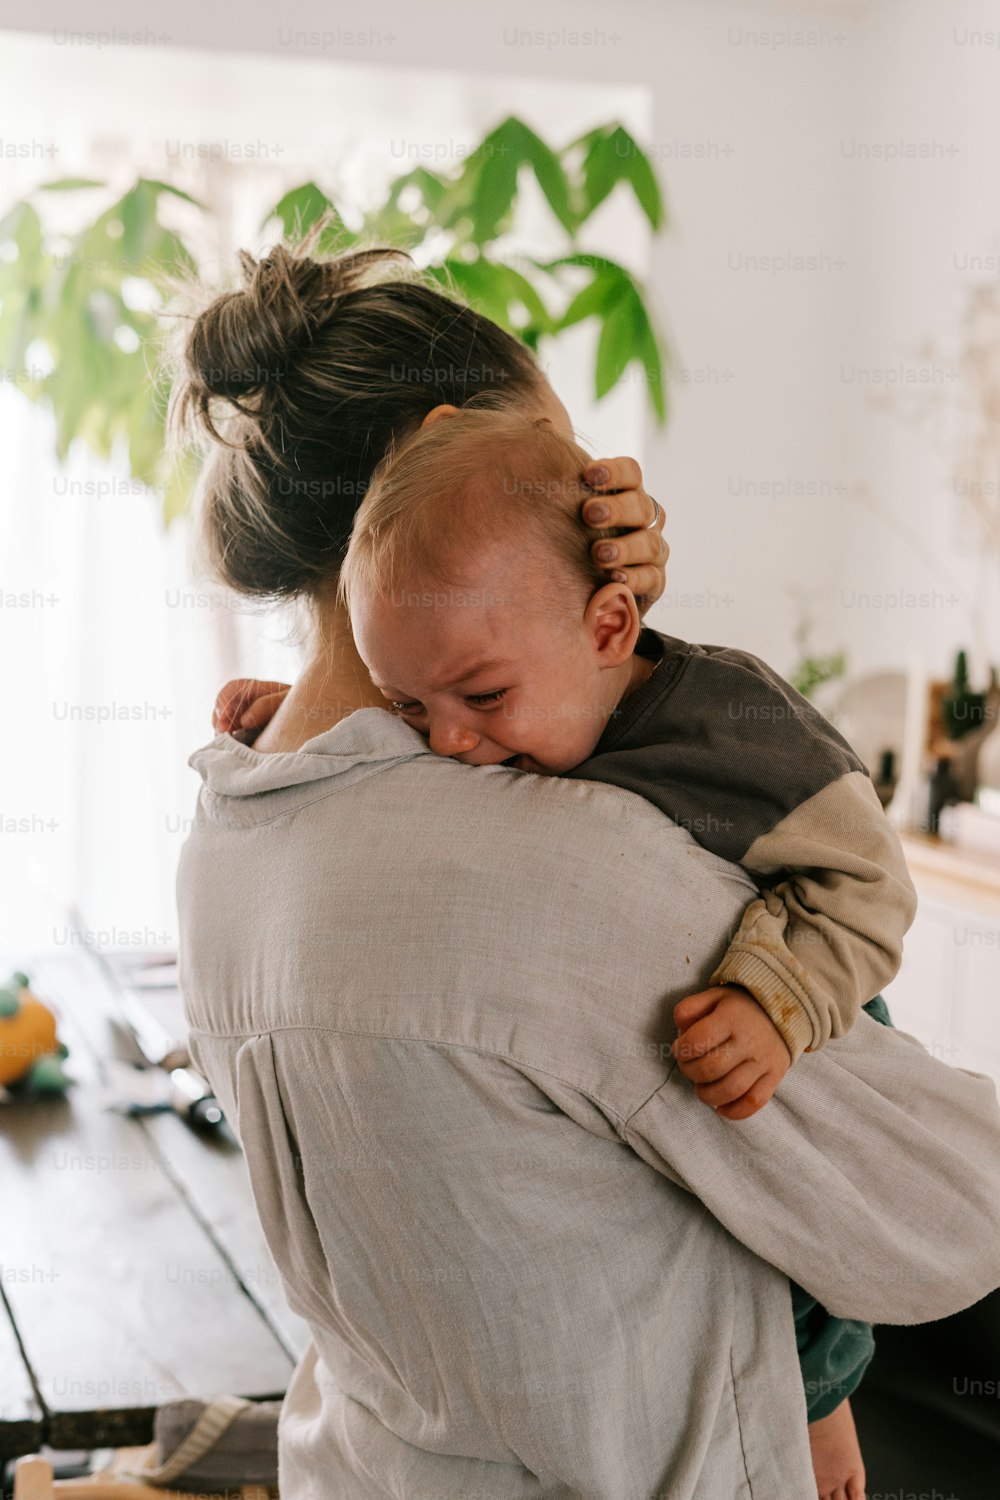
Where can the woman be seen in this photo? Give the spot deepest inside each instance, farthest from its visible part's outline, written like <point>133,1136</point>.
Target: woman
<point>320,373</point>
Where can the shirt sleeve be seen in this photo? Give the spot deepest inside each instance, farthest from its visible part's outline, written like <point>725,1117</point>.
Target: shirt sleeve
<point>827,931</point>
<point>853,1179</point>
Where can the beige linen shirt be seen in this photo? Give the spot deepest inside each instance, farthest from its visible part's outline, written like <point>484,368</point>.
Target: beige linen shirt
<point>435,1001</point>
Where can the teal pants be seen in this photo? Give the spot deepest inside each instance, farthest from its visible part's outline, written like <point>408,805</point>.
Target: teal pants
<point>833,1352</point>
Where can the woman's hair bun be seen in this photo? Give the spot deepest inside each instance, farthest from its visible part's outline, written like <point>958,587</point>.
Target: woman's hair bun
<point>294,386</point>
<point>241,346</point>
<point>244,342</point>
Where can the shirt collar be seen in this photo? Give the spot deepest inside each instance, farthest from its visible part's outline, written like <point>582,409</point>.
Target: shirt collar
<point>369,736</point>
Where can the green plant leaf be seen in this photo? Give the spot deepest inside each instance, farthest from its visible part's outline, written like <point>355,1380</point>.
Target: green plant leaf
<point>627,332</point>
<point>23,226</point>
<point>612,156</point>
<point>547,167</point>
<point>500,292</point>
<point>594,301</point>
<point>71,390</point>
<point>68,184</point>
<point>144,425</point>
<point>178,477</point>
<point>483,192</point>
<point>19,329</point>
<point>299,210</point>
<point>428,185</point>
<point>653,359</point>
<point>615,346</point>
<point>137,212</point>
<point>71,297</point>
<point>476,285</point>
<point>403,228</point>
<point>174,192</point>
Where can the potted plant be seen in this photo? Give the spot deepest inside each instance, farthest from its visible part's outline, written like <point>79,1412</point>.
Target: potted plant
<point>81,314</point>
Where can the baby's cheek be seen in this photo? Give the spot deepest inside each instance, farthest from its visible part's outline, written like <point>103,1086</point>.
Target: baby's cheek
<point>578,739</point>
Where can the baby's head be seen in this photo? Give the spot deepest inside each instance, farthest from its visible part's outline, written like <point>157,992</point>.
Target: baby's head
<point>474,601</point>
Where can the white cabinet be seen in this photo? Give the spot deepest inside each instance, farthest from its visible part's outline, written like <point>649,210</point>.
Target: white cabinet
<point>977,993</point>
<point>947,992</point>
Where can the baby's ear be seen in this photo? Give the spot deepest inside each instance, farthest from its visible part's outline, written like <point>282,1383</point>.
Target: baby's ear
<point>437,412</point>
<point>613,618</point>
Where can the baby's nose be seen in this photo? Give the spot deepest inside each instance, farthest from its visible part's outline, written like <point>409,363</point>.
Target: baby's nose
<point>451,739</point>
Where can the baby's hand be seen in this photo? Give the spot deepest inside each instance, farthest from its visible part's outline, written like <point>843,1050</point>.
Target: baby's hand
<point>246,703</point>
<point>730,1050</point>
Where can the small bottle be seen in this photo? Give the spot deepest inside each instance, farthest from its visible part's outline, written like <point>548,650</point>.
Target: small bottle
<point>942,791</point>
<point>885,782</point>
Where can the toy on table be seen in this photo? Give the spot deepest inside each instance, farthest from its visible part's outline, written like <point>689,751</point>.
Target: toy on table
<point>31,1055</point>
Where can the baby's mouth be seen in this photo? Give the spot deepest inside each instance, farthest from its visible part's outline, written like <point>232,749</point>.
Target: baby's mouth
<point>523,763</point>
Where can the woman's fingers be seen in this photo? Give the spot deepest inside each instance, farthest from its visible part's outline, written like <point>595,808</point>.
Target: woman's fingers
<point>637,556</point>
<point>646,584</point>
<point>617,474</point>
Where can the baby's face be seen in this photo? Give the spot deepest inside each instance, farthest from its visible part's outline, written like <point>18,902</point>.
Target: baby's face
<point>486,671</point>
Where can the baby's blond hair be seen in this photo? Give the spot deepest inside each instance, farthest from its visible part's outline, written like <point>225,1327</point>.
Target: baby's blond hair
<point>461,484</point>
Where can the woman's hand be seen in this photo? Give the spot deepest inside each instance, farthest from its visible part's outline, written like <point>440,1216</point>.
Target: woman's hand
<point>620,502</point>
<point>246,703</point>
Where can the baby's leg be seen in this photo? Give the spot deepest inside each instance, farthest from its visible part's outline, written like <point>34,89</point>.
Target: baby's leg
<point>879,1011</point>
<point>837,1464</point>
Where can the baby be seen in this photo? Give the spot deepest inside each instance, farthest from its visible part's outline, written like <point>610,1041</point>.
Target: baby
<point>530,659</point>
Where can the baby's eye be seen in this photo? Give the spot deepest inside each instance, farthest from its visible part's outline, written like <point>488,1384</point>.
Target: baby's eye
<point>404,708</point>
<point>482,699</point>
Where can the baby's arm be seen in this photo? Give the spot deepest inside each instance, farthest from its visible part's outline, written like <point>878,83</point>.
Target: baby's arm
<point>809,952</point>
<point>733,753</point>
<point>823,937</point>
<point>827,933</point>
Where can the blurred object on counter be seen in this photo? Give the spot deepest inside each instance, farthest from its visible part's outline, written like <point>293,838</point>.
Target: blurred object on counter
<point>962,710</point>
<point>31,1055</point>
<point>870,713</point>
<point>884,779</point>
<point>962,722</point>
<point>941,792</point>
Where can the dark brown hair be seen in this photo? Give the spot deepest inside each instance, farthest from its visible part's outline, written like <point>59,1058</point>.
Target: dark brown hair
<point>300,381</point>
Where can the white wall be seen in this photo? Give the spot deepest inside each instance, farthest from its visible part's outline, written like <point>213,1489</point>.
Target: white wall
<point>920,227</point>
<point>777,470</point>
<point>749,101</point>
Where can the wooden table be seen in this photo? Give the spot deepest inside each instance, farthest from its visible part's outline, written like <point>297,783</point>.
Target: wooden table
<point>132,1267</point>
